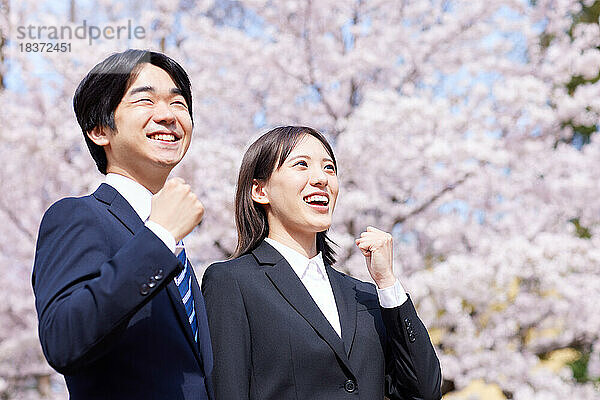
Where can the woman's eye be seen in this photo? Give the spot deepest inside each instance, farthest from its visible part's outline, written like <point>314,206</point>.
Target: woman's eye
<point>179,103</point>
<point>302,163</point>
<point>143,101</point>
<point>330,167</point>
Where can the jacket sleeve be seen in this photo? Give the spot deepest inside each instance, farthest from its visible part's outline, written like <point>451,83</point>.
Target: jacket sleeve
<point>229,332</point>
<point>412,367</point>
<point>86,286</point>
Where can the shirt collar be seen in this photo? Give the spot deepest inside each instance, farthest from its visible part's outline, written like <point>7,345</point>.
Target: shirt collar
<point>136,195</point>
<point>297,261</point>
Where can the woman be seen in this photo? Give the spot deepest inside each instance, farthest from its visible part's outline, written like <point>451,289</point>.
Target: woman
<point>284,324</point>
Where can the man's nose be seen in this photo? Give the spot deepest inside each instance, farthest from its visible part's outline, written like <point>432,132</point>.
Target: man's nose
<point>163,113</point>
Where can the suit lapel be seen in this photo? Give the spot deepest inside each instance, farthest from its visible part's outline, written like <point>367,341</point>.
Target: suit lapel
<point>204,342</point>
<point>182,317</point>
<point>291,288</point>
<point>344,292</point>
<point>119,207</point>
<point>122,210</point>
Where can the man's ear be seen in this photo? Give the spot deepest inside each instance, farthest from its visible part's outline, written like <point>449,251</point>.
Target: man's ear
<point>99,136</point>
<point>258,192</point>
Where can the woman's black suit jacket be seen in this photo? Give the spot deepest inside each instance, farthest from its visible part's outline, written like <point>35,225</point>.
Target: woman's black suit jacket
<point>271,341</point>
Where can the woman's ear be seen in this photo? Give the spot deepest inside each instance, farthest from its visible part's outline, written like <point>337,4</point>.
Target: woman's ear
<point>99,136</point>
<point>258,192</point>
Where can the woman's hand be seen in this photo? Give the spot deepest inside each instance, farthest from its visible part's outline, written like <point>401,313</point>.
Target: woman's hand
<point>378,248</point>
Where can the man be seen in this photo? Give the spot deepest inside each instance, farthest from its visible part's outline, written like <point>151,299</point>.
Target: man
<point>119,308</point>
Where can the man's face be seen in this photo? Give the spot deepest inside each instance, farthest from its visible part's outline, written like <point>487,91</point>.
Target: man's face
<point>153,127</point>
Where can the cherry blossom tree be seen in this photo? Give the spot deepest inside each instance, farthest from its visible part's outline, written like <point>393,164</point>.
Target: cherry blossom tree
<point>453,123</point>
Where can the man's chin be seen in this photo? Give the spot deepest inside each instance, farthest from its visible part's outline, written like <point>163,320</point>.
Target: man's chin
<point>167,163</point>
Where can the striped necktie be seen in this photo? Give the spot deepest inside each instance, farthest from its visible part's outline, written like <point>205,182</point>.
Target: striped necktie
<point>184,284</point>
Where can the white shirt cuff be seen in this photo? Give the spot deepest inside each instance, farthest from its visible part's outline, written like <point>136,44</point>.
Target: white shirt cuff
<point>162,234</point>
<point>392,296</point>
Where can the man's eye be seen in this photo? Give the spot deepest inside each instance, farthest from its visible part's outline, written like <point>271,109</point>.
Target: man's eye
<point>180,103</point>
<point>143,101</point>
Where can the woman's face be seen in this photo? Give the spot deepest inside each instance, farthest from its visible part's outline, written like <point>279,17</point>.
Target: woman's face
<point>300,195</point>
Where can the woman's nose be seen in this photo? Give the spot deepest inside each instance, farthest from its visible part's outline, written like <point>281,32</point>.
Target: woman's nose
<point>319,178</point>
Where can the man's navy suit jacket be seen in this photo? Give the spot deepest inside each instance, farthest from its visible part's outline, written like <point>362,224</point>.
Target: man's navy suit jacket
<point>110,316</point>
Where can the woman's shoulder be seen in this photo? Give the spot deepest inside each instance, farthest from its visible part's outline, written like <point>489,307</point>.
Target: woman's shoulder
<point>235,267</point>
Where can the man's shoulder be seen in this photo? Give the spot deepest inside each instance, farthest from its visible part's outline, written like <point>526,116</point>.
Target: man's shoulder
<point>67,221</point>
<point>72,207</point>
<point>70,203</point>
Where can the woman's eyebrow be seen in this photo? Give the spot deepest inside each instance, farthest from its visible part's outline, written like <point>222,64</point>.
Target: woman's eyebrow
<point>298,156</point>
<point>307,156</point>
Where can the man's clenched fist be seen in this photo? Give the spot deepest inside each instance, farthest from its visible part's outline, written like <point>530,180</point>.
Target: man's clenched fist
<point>176,208</point>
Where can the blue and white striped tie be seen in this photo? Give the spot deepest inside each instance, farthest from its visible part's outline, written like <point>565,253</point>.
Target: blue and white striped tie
<point>184,284</point>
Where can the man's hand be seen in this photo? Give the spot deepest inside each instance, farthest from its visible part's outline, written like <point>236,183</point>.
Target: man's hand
<point>377,247</point>
<point>176,208</point>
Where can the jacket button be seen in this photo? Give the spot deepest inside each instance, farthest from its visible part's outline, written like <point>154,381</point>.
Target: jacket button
<point>144,289</point>
<point>152,282</point>
<point>159,274</point>
<point>349,386</point>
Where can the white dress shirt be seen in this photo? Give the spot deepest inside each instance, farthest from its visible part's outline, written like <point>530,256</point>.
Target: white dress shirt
<point>140,200</point>
<point>314,276</point>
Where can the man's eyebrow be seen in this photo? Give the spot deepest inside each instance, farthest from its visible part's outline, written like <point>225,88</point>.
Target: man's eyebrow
<point>140,89</point>
<point>151,89</point>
